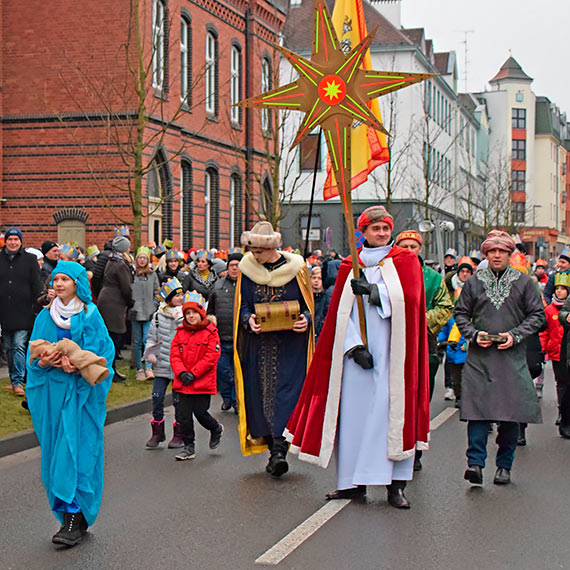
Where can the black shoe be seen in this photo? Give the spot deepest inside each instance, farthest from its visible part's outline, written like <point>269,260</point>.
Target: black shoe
<point>277,465</point>
<point>474,474</point>
<point>564,431</point>
<point>417,464</point>
<point>118,377</point>
<point>216,436</point>
<point>72,530</point>
<point>226,406</point>
<point>396,495</point>
<point>502,476</point>
<point>352,493</point>
<point>186,453</point>
<point>521,441</point>
<point>558,420</point>
<point>458,404</point>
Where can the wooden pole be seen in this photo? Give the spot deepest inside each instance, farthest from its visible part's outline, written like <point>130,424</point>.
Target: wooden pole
<point>348,217</point>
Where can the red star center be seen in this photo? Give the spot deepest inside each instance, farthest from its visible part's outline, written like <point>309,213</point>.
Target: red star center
<point>332,89</point>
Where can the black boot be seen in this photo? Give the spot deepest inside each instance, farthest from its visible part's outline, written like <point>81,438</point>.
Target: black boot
<point>418,460</point>
<point>521,441</point>
<point>564,431</point>
<point>277,464</point>
<point>72,530</point>
<point>396,495</point>
<point>357,492</point>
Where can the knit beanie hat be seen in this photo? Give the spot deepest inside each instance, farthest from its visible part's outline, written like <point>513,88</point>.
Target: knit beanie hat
<point>13,232</point>
<point>47,245</point>
<point>121,244</point>
<point>219,266</point>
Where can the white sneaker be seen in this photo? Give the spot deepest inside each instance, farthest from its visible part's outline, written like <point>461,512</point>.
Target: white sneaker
<point>449,394</point>
<point>140,375</point>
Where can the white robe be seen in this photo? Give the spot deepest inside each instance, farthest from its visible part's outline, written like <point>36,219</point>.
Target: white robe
<point>362,441</point>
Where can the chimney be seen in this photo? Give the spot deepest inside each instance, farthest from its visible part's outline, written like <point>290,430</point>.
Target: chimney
<point>390,9</point>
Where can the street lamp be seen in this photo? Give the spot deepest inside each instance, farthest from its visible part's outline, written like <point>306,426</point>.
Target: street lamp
<point>426,226</point>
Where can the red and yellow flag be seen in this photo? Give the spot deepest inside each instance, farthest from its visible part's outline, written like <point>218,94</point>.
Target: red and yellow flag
<point>369,147</point>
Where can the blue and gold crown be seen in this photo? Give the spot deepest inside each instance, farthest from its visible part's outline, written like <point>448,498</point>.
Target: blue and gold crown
<point>204,254</point>
<point>235,250</point>
<point>121,231</point>
<point>168,288</point>
<point>476,254</point>
<point>172,254</point>
<point>70,250</point>
<point>452,252</point>
<point>194,297</point>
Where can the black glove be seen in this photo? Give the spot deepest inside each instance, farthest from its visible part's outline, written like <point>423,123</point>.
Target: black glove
<point>362,357</point>
<point>186,378</point>
<point>360,286</point>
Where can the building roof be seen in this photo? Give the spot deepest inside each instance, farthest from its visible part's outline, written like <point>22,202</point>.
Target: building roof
<point>544,123</point>
<point>298,34</point>
<point>510,70</point>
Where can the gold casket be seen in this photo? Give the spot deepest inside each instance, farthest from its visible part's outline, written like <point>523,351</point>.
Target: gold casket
<point>277,316</point>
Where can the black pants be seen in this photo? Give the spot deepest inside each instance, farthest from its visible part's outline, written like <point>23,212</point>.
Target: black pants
<point>456,372</point>
<point>197,405</point>
<point>562,378</point>
<point>117,339</point>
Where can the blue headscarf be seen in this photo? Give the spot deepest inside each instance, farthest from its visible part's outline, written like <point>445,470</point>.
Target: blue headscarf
<point>76,272</point>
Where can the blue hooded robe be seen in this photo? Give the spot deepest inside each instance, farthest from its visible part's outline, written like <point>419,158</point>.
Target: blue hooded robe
<point>68,413</point>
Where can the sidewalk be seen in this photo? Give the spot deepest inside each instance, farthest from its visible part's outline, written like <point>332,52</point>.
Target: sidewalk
<point>27,439</point>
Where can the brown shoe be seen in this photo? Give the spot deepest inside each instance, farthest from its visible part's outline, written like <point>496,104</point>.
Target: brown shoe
<point>19,391</point>
<point>8,387</point>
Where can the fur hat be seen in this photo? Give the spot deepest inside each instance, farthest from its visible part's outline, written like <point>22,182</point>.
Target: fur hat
<point>262,235</point>
<point>372,215</point>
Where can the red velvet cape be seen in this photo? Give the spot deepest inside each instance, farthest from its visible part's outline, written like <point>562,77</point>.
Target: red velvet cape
<point>307,428</point>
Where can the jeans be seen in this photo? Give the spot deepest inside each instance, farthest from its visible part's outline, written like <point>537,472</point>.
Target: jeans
<point>197,405</point>
<point>225,374</point>
<point>140,332</point>
<point>447,373</point>
<point>15,345</point>
<point>159,386</point>
<point>477,433</point>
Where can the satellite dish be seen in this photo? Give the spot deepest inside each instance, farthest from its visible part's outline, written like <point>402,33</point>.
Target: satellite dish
<point>426,226</point>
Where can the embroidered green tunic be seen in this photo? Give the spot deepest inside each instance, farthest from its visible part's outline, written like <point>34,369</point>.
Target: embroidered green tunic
<point>496,384</point>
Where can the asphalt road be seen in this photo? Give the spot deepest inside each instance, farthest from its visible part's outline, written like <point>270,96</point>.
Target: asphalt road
<point>221,510</point>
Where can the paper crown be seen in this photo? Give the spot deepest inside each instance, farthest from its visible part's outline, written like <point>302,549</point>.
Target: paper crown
<point>203,254</point>
<point>144,250</point>
<point>235,250</point>
<point>541,263</point>
<point>476,254</point>
<point>121,231</point>
<point>562,279</point>
<point>168,288</point>
<point>92,250</point>
<point>159,251</point>
<point>465,261</point>
<point>452,252</point>
<point>194,297</point>
<point>168,243</point>
<point>70,250</point>
<point>519,262</point>
<point>565,253</point>
<point>172,254</point>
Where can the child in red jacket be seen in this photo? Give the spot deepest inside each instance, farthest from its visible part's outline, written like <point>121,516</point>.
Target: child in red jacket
<point>193,357</point>
<point>551,338</point>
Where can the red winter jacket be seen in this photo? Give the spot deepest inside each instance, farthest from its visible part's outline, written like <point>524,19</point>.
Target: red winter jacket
<point>196,352</point>
<point>551,338</point>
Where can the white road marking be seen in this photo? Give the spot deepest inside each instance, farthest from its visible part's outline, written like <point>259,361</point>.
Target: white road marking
<point>298,535</point>
<point>442,418</point>
<point>307,528</point>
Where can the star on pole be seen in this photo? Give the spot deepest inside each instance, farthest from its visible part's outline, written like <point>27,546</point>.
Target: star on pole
<point>333,91</point>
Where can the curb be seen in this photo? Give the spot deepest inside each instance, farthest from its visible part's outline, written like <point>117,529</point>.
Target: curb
<point>27,439</point>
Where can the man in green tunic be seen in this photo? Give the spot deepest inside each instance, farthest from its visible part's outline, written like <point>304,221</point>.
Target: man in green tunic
<point>498,308</point>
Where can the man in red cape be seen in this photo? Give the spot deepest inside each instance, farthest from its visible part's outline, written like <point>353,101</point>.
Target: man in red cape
<point>370,403</point>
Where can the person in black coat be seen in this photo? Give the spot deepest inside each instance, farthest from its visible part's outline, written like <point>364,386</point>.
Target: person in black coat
<point>221,304</point>
<point>201,277</point>
<point>20,286</point>
<point>99,269</point>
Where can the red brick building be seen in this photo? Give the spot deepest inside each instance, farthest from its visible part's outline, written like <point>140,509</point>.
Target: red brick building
<point>69,108</point>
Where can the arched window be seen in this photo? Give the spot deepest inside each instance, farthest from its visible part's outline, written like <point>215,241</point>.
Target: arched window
<point>186,60</point>
<point>212,213</point>
<point>211,74</point>
<point>159,44</point>
<point>159,193</point>
<point>236,220</point>
<point>186,206</point>
<point>235,83</point>
<point>267,196</point>
<point>265,86</point>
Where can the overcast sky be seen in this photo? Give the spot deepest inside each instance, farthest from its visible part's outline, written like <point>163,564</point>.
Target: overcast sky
<point>536,32</point>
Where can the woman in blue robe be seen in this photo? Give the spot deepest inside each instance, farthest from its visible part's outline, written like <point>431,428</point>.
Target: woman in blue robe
<point>69,413</point>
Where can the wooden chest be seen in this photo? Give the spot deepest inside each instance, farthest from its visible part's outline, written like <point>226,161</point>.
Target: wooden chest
<point>279,316</point>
